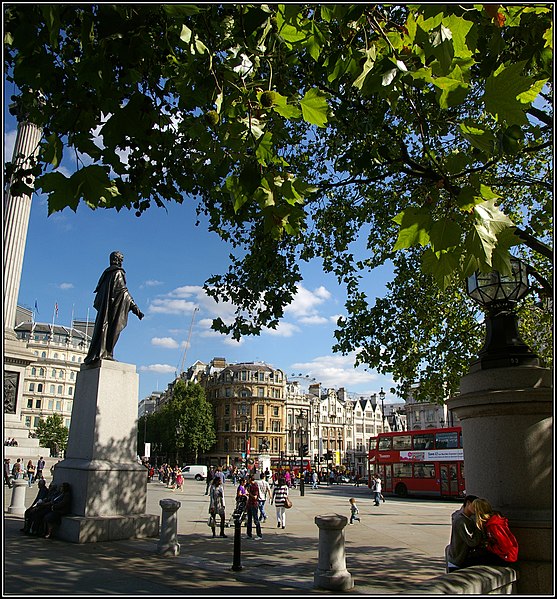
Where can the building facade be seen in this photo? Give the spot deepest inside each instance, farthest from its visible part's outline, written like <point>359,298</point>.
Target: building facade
<point>49,382</point>
<point>248,402</point>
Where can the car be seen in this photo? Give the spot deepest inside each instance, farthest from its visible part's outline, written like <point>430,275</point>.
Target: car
<point>195,471</point>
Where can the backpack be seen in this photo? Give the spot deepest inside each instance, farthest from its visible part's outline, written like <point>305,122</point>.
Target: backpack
<point>500,540</point>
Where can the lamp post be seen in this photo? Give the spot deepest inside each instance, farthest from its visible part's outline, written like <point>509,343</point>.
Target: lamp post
<point>382,400</point>
<point>498,294</point>
<point>302,424</point>
<point>505,407</point>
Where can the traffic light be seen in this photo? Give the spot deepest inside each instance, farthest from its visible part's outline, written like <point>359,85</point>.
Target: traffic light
<point>305,450</point>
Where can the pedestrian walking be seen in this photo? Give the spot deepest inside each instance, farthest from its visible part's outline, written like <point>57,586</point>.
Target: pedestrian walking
<point>280,493</point>
<point>354,511</point>
<point>30,472</point>
<point>210,475</point>
<point>264,494</point>
<point>40,468</point>
<point>377,488</point>
<point>314,480</point>
<point>217,505</point>
<point>7,473</point>
<point>253,509</point>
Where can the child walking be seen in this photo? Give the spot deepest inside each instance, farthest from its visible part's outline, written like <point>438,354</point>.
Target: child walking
<point>354,511</point>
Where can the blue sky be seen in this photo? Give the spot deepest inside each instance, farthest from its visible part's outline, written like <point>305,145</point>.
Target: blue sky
<point>167,259</point>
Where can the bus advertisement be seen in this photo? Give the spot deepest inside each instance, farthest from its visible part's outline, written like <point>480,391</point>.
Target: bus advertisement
<point>427,462</point>
<point>290,464</point>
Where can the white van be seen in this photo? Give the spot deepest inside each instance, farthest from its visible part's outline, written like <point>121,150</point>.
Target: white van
<point>197,472</point>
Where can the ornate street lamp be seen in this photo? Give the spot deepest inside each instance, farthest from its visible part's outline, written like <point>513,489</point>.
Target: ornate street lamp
<point>302,420</point>
<point>382,400</point>
<point>498,294</point>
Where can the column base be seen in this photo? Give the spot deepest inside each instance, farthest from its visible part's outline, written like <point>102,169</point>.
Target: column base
<point>81,529</point>
<point>333,581</point>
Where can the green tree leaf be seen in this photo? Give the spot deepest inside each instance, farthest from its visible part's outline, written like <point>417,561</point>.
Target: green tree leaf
<point>314,107</point>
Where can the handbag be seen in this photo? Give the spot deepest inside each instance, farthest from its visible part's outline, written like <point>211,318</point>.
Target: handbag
<point>211,522</point>
<point>287,503</point>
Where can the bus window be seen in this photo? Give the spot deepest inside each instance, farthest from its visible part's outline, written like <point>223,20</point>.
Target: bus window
<point>460,439</point>
<point>425,470</point>
<point>402,442</point>
<point>385,443</point>
<point>447,440</point>
<point>402,470</point>
<point>423,441</point>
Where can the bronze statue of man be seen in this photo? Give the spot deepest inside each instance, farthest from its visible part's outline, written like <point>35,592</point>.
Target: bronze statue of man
<point>112,302</point>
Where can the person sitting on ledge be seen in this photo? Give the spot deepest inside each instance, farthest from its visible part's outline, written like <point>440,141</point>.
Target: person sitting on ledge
<point>41,497</point>
<point>61,506</point>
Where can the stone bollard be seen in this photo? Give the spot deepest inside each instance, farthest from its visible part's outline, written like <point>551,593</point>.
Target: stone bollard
<point>168,544</point>
<point>331,570</point>
<point>18,497</point>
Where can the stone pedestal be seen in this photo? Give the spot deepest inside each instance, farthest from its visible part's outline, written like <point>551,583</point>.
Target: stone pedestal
<point>168,543</point>
<point>109,487</point>
<point>331,570</point>
<point>17,505</point>
<point>507,428</point>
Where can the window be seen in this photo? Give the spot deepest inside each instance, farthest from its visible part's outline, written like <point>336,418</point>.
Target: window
<point>31,387</point>
<point>41,371</point>
<point>43,355</point>
<point>227,425</point>
<point>70,390</point>
<point>73,358</point>
<point>55,356</point>
<point>261,376</point>
<point>67,423</point>
<point>261,425</point>
<point>53,373</point>
<point>40,388</point>
<point>58,406</point>
<point>260,392</point>
<point>72,375</point>
<point>275,411</point>
<point>446,440</point>
<point>275,426</point>
<point>38,404</point>
<point>61,374</point>
<point>385,443</point>
<point>402,470</point>
<point>226,444</point>
<point>60,389</point>
<point>37,420</point>
<point>244,393</point>
<point>227,409</point>
<point>34,370</point>
<point>28,421</point>
<point>51,404</point>
<point>423,441</point>
<point>30,403</point>
<point>426,470</point>
<point>402,442</point>
<point>51,389</point>
<point>260,409</point>
<point>227,392</point>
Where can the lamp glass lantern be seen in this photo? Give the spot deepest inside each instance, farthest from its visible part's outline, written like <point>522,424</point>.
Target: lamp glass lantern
<point>492,288</point>
<point>498,295</point>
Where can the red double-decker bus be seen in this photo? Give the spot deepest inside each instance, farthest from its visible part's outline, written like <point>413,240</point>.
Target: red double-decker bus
<point>427,462</point>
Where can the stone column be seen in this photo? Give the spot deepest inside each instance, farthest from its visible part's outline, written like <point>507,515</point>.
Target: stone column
<point>16,220</point>
<point>168,543</point>
<point>507,429</point>
<point>331,570</point>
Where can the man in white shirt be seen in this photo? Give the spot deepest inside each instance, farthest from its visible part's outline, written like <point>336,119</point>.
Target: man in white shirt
<point>264,494</point>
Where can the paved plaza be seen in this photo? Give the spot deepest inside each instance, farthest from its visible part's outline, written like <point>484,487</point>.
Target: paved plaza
<point>395,546</point>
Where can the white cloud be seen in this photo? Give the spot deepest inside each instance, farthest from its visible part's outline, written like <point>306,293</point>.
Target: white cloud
<point>336,371</point>
<point>315,319</point>
<point>9,143</point>
<point>167,342</point>
<point>284,329</point>
<point>171,306</point>
<point>159,368</point>
<point>65,286</point>
<point>305,302</point>
<point>152,283</point>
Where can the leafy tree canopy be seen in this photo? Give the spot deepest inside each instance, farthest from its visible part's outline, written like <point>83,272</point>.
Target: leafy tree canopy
<point>184,425</point>
<point>52,433</point>
<point>424,131</point>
